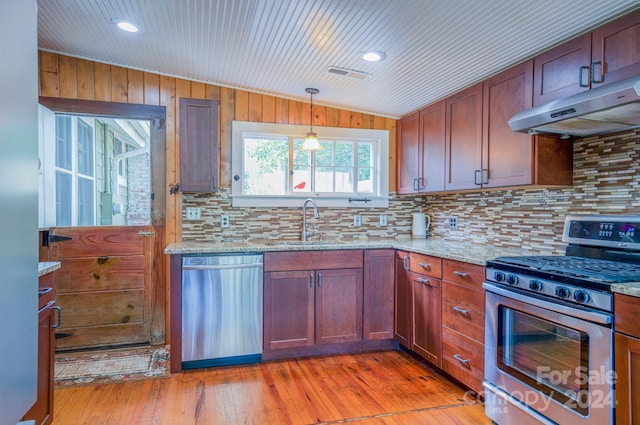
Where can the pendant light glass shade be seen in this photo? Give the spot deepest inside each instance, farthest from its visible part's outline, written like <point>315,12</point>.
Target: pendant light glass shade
<point>311,142</point>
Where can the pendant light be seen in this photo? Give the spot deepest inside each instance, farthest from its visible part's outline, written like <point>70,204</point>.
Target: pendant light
<point>311,142</point>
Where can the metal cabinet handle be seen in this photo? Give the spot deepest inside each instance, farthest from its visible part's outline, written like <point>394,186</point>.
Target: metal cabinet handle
<point>310,279</point>
<point>415,184</point>
<point>215,183</point>
<point>475,177</point>
<point>425,281</point>
<point>461,310</point>
<point>461,274</point>
<point>44,291</point>
<point>465,362</point>
<point>580,83</point>
<point>58,317</point>
<point>593,73</point>
<point>485,176</point>
<point>425,266</point>
<point>319,279</point>
<point>420,183</point>
<point>405,262</point>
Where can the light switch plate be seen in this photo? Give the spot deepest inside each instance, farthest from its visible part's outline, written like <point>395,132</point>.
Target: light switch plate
<point>384,220</point>
<point>357,220</point>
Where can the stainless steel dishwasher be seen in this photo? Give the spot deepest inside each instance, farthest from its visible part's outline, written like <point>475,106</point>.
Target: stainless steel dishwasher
<point>221,310</point>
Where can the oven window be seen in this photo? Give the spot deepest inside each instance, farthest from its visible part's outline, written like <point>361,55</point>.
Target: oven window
<point>548,356</point>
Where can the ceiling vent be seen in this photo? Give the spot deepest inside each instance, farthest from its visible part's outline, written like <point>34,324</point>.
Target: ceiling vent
<point>346,72</point>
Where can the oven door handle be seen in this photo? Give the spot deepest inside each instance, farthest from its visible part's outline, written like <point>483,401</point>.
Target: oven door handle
<point>592,316</point>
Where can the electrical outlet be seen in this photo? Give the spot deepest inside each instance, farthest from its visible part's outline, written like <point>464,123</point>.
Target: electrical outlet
<point>224,221</point>
<point>357,220</point>
<point>453,223</point>
<point>193,213</point>
<point>383,220</point>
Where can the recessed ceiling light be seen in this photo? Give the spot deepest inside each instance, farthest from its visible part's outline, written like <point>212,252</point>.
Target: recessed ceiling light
<point>373,56</point>
<point>125,26</point>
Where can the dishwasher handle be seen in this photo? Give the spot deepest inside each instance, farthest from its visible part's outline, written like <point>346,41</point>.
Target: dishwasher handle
<point>221,266</point>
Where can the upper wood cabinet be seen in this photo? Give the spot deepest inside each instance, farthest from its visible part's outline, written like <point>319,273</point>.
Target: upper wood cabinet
<point>198,145</point>
<point>407,150</point>
<point>608,54</point>
<point>517,159</point>
<point>421,150</point>
<point>463,139</point>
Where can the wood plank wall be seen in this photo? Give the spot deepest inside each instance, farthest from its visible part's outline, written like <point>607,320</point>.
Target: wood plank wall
<point>68,77</point>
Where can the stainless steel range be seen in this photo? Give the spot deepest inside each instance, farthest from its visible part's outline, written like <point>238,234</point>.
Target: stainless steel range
<point>548,342</point>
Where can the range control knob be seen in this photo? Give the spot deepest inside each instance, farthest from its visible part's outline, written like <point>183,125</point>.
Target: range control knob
<point>512,279</point>
<point>535,285</point>
<point>499,277</point>
<point>562,292</point>
<point>581,296</point>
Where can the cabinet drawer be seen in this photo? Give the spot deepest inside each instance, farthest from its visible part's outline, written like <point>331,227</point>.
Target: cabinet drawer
<point>313,260</point>
<point>466,274</point>
<point>626,310</point>
<point>463,358</point>
<point>463,310</point>
<point>426,265</point>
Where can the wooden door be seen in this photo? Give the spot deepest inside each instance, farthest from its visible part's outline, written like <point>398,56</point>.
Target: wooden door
<point>338,306</point>
<point>407,150</point>
<point>426,334</point>
<point>289,299</point>
<point>627,361</point>
<point>402,311</point>
<point>507,155</point>
<point>463,139</point>
<point>558,72</point>
<point>616,50</point>
<point>378,294</point>
<point>432,143</point>
<point>103,285</point>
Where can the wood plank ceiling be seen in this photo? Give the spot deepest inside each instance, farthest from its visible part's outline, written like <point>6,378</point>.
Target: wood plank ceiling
<point>279,47</point>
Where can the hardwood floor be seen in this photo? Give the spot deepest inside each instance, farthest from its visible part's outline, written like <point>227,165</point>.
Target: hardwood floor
<point>368,389</point>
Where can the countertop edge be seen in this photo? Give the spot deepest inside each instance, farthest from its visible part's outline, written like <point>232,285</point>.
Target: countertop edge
<point>46,267</point>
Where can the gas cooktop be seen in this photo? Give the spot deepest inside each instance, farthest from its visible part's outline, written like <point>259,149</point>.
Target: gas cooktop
<point>578,268</point>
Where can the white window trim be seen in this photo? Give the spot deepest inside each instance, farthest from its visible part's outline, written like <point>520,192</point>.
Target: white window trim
<point>377,200</point>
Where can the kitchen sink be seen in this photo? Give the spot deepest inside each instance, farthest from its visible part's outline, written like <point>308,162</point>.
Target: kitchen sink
<point>303,243</point>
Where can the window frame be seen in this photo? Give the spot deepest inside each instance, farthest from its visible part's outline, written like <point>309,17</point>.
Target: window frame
<point>378,199</point>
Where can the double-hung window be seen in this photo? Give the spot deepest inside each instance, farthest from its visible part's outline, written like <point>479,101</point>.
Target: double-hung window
<point>270,168</point>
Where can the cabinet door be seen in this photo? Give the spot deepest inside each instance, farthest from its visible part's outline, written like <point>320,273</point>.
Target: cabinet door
<point>198,145</point>
<point>288,309</point>
<point>378,294</point>
<point>507,155</point>
<point>42,410</point>
<point>408,161</point>
<point>338,306</point>
<point>432,135</point>
<point>464,139</point>
<point>616,50</point>
<point>427,330</point>
<point>402,324</point>
<point>557,73</point>
<point>627,361</point>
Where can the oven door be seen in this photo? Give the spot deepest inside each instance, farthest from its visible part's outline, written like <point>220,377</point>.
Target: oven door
<point>545,361</point>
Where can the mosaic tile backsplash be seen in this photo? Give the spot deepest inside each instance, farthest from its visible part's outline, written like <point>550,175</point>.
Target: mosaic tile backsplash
<point>606,181</point>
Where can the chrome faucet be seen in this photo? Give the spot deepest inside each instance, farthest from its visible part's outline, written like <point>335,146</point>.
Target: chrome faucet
<point>316,216</point>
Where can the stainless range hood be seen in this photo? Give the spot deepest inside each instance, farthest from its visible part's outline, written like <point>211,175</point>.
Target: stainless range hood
<point>606,109</point>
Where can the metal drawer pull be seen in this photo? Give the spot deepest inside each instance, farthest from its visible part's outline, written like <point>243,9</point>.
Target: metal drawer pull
<point>59,316</point>
<point>461,274</point>
<point>405,262</point>
<point>461,360</point>
<point>425,281</point>
<point>425,266</point>
<point>461,310</point>
<point>44,291</point>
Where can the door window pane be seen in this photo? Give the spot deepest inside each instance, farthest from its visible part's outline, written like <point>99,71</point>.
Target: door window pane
<point>63,199</point>
<point>85,149</point>
<point>63,142</point>
<point>86,216</point>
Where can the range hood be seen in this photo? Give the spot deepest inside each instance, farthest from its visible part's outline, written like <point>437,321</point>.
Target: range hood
<point>605,109</point>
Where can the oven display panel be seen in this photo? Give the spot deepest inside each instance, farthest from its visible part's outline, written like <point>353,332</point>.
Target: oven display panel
<point>612,231</point>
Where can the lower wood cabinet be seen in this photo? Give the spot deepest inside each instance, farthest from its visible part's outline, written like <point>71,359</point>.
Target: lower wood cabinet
<point>378,294</point>
<point>426,335</point>
<point>312,306</point>
<point>403,300</point>
<point>626,349</point>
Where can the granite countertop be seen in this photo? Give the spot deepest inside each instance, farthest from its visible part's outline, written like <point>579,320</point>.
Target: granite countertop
<point>453,250</point>
<point>46,267</point>
<point>629,288</point>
